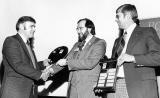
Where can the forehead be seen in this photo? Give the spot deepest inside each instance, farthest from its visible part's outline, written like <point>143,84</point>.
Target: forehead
<point>29,23</point>
<point>119,13</point>
<point>81,23</point>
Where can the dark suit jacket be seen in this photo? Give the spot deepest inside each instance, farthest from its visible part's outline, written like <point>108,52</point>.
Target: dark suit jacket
<point>144,44</point>
<point>84,67</point>
<point>19,73</point>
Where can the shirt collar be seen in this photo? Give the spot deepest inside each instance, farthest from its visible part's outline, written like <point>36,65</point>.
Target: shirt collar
<point>130,29</point>
<point>23,37</point>
<point>88,38</point>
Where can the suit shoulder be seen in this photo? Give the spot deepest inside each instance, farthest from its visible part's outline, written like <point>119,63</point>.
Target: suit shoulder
<point>148,30</point>
<point>99,40</point>
<point>10,40</point>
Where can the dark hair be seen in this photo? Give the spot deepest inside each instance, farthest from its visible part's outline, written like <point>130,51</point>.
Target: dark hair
<point>24,19</point>
<point>131,9</point>
<point>89,24</point>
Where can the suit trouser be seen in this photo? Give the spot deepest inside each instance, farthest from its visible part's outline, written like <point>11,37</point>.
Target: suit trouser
<point>121,90</point>
<point>148,90</point>
<point>81,91</point>
<point>33,93</point>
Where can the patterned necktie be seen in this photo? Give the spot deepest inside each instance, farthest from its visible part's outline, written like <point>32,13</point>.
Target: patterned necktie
<point>121,44</point>
<point>31,53</point>
<point>81,45</point>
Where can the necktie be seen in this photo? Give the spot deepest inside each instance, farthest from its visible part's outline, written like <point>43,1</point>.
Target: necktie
<point>81,45</point>
<point>121,44</point>
<point>31,53</point>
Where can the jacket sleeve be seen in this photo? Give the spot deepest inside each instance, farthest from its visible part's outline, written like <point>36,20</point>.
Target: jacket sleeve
<point>152,57</point>
<point>87,63</point>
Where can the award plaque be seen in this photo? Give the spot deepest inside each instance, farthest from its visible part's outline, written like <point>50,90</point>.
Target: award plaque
<point>107,77</point>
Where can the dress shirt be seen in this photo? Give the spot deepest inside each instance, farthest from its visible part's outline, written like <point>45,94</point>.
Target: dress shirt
<point>28,48</point>
<point>126,38</point>
<point>23,37</point>
<point>87,40</point>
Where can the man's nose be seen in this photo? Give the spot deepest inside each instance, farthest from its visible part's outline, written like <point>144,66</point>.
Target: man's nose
<point>116,20</point>
<point>33,29</point>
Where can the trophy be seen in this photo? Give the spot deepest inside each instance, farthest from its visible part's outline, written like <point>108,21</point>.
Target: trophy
<point>107,78</point>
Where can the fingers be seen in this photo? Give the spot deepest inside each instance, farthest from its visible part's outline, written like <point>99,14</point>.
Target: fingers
<point>44,76</point>
<point>62,62</point>
<point>51,71</point>
<point>46,62</point>
<point>46,73</point>
<point>125,58</point>
<point>120,60</point>
<point>98,91</point>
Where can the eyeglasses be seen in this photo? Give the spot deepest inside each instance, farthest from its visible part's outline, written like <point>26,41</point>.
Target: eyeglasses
<point>79,28</point>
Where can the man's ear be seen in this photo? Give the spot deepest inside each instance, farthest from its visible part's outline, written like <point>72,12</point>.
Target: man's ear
<point>128,15</point>
<point>21,26</point>
<point>89,30</point>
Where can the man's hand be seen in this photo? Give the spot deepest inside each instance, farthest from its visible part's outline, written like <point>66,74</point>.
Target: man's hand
<point>44,76</point>
<point>125,58</point>
<point>46,73</point>
<point>62,62</point>
<point>46,62</point>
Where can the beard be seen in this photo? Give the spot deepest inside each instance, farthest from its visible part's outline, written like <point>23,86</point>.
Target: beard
<point>83,37</point>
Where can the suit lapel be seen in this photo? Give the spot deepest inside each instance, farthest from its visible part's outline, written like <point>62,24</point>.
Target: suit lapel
<point>117,47</point>
<point>17,36</point>
<point>135,36</point>
<point>90,43</point>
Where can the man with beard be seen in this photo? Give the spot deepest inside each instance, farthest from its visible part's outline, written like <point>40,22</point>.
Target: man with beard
<point>83,60</point>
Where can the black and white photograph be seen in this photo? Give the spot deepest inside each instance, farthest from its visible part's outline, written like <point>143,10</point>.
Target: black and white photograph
<point>79,49</point>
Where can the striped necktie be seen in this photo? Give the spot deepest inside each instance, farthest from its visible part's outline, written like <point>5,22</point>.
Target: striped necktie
<point>121,44</point>
<point>81,45</point>
<point>31,54</point>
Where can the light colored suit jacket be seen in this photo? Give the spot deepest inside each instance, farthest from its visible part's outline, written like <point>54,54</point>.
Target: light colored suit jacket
<point>19,73</point>
<point>144,44</point>
<point>84,68</point>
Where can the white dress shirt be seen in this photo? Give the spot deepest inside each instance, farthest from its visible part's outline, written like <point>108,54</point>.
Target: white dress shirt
<point>126,38</point>
<point>23,38</point>
<point>29,49</point>
<point>87,40</point>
